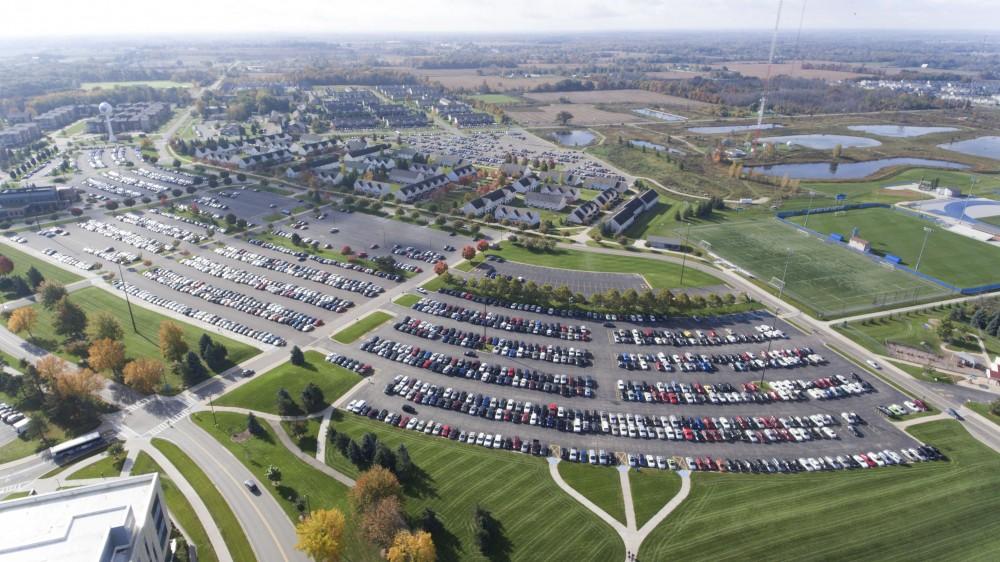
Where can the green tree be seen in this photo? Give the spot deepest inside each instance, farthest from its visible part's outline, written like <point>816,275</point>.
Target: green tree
<point>105,326</point>
<point>297,357</point>
<point>312,398</point>
<point>192,369</point>
<point>286,406</point>
<point>50,293</point>
<point>70,320</point>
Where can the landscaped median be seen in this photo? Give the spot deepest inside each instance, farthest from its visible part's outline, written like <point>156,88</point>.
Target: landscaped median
<point>599,484</point>
<point>23,262</point>
<point>407,300</point>
<point>260,394</point>
<point>229,526</point>
<point>361,327</point>
<point>651,490</point>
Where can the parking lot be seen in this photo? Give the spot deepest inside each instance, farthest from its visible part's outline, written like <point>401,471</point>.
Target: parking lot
<point>586,282</point>
<point>876,432</point>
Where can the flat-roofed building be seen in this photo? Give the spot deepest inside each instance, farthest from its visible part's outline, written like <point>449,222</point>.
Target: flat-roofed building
<point>123,520</point>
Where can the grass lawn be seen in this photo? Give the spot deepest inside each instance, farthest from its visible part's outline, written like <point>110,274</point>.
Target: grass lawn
<point>651,490</point>
<point>659,274</point>
<point>912,329</point>
<point>16,495</point>
<point>74,129</point>
<point>943,510</point>
<point>127,83</point>
<point>599,484</point>
<point>179,507</point>
<point>923,374</point>
<point>407,300</point>
<point>261,393</point>
<point>994,220</point>
<point>229,526</point>
<point>538,521</point>
<point>23,262</point>
<point>874,191</point>
<point>62,468</point>
<point>826,280</point>
<point>946,255</point>
<point>983,410</point>
<point>104,468</point>
<point>361,327</point>
<point>143,344</point>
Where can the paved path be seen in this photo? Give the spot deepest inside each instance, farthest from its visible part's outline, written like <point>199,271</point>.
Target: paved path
<point>631,536</point>
<point>923,419</point>
<point>200,509</point>
<point>627,495</point>
<point>286,441</point>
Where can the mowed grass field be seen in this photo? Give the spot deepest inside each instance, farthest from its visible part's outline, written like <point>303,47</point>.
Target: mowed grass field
<point>261,393</point>
<point>599,484</point>
<point>948,256</point>
<point>145,343</point>
<point>651,490</point>
<point>658,274</point>
<point>498,99</point>
<point>539,521</point>
<point>23,262</point>
<point>361,327</point>
<point>930,511</point>
<point>824,278</point>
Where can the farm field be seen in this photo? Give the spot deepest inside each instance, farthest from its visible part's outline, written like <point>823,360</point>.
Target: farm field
<point>145,343</point>
<point>943,510</point>
<point>127,83</point>
<point>584,114</point>
<point>260,393</point>
<point>538,521</point>
<point>498,99</point>
<point>458,78</point>
<point>947,256</point>
<point>658,274</point>
<point>361,327</point>
<point>826,279</point>
<point>615,96</point>
<point>759,70</point>
<point>599,484</point>
<point>23,262</point>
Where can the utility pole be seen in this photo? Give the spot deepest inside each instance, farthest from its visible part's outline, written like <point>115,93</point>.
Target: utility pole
<point>121,275</point>
<point>211,404</point>
<point>927,232</point>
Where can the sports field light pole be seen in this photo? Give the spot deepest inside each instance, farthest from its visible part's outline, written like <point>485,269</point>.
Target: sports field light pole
<point>805,223</point>
<point>788,260</point>
<point>927,232</point>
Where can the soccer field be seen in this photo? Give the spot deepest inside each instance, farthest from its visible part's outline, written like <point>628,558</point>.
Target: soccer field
<point>951,257</point>
<point>827,279</point>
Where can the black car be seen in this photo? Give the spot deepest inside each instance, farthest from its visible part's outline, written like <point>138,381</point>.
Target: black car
<point>409,409</point>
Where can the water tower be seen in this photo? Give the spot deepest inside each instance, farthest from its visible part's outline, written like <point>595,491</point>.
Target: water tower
<point>106,110</point>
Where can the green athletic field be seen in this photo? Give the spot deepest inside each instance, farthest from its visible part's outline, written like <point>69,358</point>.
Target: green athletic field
<point>822,277</point>
<point>951,257</point>
<point>127,83</point>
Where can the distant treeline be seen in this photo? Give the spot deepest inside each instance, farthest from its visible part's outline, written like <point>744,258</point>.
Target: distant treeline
<point>130,94</point>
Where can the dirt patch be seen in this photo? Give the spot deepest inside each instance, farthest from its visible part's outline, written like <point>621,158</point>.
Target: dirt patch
<point>241,437</point>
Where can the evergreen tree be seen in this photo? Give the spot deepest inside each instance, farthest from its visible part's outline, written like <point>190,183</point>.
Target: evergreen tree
<point>193,371</point>
<point>253,425</point>
<point>343,443</point>
<point>404,465</point>
<point>384,458</point>
<point>297,357</point>
<point>354,453</point>
<point>286,406</point>
<point>204,342</point>
<point>35,277</point>
<point>993,326</point>
<point>312,398</point>
<point>368,445</point>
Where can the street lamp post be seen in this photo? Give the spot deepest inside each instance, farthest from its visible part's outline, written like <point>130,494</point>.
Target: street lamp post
<point>927,233</point>
<point>684,254</point>
<point>128,303</point>
<point>805,223</point>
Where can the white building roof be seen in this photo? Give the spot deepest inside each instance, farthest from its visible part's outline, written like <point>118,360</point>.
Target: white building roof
<point>75,524</point>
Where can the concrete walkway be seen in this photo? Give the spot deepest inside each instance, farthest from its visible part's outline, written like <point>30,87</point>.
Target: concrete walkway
<point>204,515</point>
<point>286,441</point>
<point>916,421</point>
<point>631,536</point>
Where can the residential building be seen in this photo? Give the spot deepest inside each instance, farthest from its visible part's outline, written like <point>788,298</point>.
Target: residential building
<point>360,153</point>
<point>514,170</point>
<point>550,201</point>
<point>602,183</point>
<point>405,177</point>
<point>584,214</point>
<point>20,135</point>
<point>520,216</point>
<point>372,188</point>
<point>414,191</point>
<point>570,193</point>
<point>133,117</point>
<point>485,204</point>
<point>626,216</point>
<point>122,520</point>
<point>462,172</point>
<point>525,184</point>
<point>17,203</point>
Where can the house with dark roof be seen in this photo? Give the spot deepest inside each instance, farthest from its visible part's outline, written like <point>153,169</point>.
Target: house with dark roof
<point>520,216</point>
<point>485,204</point>
<point>360,153</point>
<point>462,172</point>
<point>414,191</point>
<point>626,216</point>
<point>601,183</point>
<point>372,188</point>
<point>570,193</point>
<point>550,201</point>
<point>405,177</point>
<point>525,184</point>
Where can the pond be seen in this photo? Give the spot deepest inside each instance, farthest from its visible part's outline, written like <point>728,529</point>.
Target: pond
<point>900,131</point>
<point>653,146</point>
<point>574,137</point>
<point>849,170</point>
<point>823,141</point>
<point>732,128</point>
<point>661,115</point>
<point>987,147</point>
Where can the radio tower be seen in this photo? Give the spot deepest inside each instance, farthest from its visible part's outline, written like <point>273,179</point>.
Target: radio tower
<point>767,79</point>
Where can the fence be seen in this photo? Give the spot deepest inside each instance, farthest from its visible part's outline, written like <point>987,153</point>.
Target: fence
<point>888,260</point>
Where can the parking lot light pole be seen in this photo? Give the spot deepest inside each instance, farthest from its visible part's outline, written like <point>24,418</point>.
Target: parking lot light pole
<point>684,254</point>
<point>121,275</point>
<point>927,233</point>
<point>784,274</point>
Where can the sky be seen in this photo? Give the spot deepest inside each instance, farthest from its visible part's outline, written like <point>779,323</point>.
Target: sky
<point>54,18</point>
